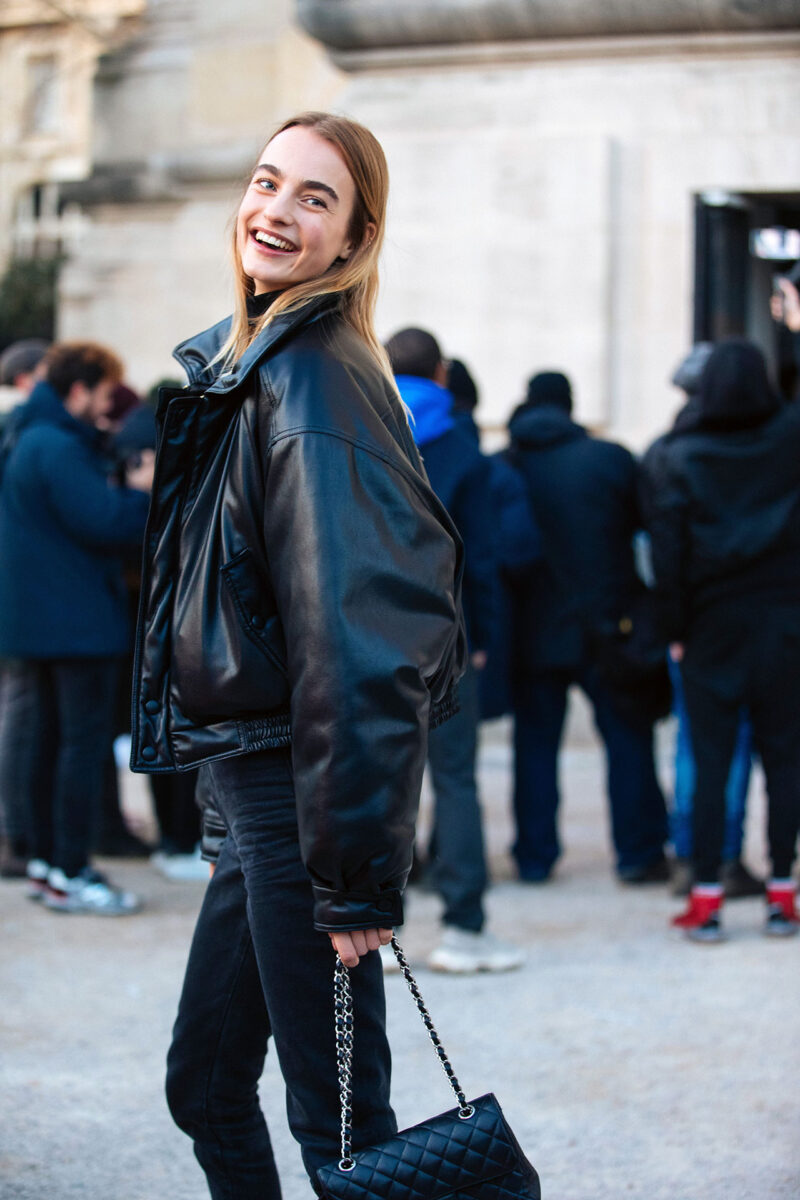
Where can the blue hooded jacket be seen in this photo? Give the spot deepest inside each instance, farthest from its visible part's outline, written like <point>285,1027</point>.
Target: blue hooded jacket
<point>63,527</point>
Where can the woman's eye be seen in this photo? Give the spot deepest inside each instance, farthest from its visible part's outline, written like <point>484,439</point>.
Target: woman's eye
<point>315,202</point>
<point>266,184</point>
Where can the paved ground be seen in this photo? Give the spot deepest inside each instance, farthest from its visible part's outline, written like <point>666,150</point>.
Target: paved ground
<point>630,1064</point>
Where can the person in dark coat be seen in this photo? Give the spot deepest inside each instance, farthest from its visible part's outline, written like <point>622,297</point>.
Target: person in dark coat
<point>63,528</point>
<point>460,476</point>
<point>583,494</point>
<point>737,879</point>
<point>20,367</point>
<point>724,522</point>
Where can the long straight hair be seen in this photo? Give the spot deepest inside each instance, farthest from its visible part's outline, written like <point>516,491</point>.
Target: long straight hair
<point>355,279</point>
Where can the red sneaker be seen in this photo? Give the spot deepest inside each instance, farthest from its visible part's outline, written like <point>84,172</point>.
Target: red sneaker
<point>783,919</point>
<point>701,920</point>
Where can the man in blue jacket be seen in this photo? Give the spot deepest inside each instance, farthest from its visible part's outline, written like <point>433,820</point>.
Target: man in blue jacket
<point>63,526</point>
<point>459,474</point>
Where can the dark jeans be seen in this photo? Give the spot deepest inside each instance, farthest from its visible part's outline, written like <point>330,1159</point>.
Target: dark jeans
<point>20,737</point>
<point>75,731</point>
<point>744,654</point>
<point>258,968</point>
<point>458,862</point>
<point>638,812</point>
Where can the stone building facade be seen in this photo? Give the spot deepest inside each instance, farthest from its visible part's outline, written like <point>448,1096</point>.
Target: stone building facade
<point>48,58</point>
<point>575,184</point>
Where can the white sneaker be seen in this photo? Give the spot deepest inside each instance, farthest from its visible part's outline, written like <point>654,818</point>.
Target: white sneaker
<point>389,960</point>
<point>88,892</point>
<point>462,952</point>
<point>180,867</point>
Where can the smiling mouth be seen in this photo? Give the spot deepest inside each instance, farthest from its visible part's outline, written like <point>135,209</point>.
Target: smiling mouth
<point>271,241</point>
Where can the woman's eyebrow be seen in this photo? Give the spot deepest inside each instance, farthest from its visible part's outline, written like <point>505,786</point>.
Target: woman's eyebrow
<point>314,185</point>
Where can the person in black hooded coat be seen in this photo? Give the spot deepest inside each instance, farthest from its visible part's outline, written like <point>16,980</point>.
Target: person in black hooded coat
<point>583,496</point>
<point>724,519</point>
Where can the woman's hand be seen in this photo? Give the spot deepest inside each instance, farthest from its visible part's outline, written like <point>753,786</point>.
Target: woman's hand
<point>351,944</point>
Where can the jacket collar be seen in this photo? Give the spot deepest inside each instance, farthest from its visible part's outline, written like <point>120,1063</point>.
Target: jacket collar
<point>196,355</point>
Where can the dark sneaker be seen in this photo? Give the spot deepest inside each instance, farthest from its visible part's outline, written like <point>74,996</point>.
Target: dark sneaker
<point>535,874</point>
<point>652,872</point>
<point>89,892</point>
<point>739,882</point>
<point>700,921</point>
<point>783,919</point>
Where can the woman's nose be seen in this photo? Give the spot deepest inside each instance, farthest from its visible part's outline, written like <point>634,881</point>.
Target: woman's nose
<point>278,206</point>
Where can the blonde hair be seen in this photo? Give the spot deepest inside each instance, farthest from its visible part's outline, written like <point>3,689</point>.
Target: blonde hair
<point>354,279</point>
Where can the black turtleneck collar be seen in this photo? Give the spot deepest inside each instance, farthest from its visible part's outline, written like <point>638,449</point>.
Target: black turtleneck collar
<point>258,305</point>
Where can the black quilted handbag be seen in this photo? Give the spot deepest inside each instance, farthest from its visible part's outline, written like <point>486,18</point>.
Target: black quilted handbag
<point>468,1153</point>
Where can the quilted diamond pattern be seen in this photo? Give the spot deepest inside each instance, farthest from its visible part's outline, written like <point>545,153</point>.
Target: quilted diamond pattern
<point>474,1159</point>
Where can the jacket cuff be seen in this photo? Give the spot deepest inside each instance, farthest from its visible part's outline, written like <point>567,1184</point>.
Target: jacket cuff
<point>334,911</point>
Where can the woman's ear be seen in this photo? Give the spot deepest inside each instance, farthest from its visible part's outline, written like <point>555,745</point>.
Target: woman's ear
<point>368,235</point>
<point>347,248</point>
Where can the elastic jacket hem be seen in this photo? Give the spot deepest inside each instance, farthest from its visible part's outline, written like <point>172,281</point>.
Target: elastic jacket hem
<point>196,745</point>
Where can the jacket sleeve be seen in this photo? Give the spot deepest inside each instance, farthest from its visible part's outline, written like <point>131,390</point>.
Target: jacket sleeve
<point>663,507</point>
<point>364,573</point>
<point>94,512</point>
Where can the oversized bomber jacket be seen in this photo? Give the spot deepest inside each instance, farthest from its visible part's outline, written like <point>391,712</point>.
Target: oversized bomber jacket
<point>301,586</point>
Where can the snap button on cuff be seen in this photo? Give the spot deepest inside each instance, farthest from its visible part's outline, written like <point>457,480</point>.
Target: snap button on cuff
<point>148,753</point>
<point>152,707</point>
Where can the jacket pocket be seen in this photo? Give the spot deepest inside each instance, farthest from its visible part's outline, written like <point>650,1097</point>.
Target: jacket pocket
<point>254,603</point>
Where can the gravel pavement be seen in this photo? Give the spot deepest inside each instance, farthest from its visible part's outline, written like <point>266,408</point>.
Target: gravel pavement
<point>629,1063</point>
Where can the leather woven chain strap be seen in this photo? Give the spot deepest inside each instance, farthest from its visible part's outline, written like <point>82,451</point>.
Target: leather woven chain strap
<point>343,1001</point>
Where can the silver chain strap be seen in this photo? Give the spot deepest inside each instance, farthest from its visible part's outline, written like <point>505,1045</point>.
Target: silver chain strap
<point>343,1001</point>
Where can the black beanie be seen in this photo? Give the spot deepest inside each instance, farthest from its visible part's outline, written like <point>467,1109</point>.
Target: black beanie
<point>549,387</point>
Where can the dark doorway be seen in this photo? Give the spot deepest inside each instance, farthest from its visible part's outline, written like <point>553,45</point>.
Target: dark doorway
<point>733,273</point>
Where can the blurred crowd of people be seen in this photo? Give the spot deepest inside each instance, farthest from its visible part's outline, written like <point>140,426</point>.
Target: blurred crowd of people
<point>76,467</point>
<point>668,584</point>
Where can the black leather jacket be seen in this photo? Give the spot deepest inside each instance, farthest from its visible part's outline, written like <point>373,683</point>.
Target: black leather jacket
<point>301,585</point>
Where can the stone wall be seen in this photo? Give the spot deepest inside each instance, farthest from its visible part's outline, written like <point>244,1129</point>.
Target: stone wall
<point>542,203</point>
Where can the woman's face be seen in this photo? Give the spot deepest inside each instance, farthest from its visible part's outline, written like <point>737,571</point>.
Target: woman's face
<point>292,223</point>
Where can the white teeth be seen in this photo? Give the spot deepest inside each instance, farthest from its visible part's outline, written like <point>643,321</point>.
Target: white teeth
<point>269,239</point>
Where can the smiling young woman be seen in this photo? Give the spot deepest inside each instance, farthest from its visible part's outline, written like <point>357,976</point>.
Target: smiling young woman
<point>299,633</point>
